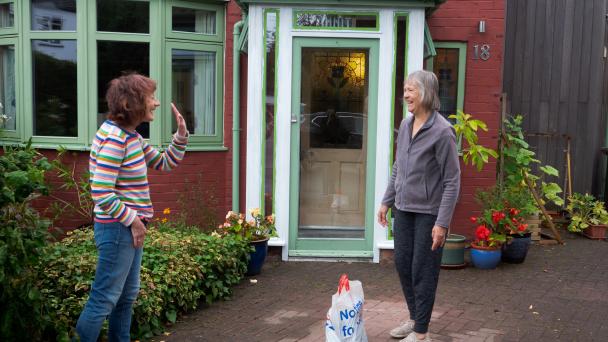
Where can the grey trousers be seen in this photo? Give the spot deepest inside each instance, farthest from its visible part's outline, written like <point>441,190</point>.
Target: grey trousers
<point>418,267</point>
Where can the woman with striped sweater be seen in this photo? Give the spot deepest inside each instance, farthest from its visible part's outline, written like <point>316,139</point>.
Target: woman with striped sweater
<point>119,186</point>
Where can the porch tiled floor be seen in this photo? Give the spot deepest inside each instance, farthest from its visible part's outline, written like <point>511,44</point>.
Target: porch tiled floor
<point>559,294</point>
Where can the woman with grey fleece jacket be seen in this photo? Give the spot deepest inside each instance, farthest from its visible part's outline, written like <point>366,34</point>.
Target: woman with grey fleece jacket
<point>423,190</point>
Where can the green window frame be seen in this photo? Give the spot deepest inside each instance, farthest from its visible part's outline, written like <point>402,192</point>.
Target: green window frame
<point>462,58</point>
<point>219,21</point>
<point>351,13</point>
<point>265,80</point>
<point>160,39</point>
<point>196,142</point>
<point>6,134</point>
<point>16,17</point>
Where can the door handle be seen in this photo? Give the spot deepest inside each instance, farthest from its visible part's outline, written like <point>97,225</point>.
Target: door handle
<point>294,118</point>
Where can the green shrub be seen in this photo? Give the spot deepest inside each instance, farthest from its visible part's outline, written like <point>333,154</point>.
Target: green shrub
<point>179,268</point>
<point>22,235</point>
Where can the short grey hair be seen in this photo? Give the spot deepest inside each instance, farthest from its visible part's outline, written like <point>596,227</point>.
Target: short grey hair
<point>428,86</point>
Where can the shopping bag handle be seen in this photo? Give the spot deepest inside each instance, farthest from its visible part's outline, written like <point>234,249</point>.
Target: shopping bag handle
<point>343,283</point>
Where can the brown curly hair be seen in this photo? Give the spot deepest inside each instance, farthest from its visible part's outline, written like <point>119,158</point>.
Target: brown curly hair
<point>127,96</point>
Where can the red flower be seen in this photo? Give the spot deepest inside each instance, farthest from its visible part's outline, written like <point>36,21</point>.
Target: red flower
<point>514,212</point>
<point>497,216</point>
<point>482,233</point>
<point>473,219</point>
<point>522,227</point>
<point>514,220</point>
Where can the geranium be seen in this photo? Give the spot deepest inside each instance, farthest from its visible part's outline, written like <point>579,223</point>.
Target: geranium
<point>494,225</point>
<point>482,233</point>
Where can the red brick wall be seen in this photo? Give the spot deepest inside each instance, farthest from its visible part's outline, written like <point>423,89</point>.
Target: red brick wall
<point>458,20</point>
<point>202,184</point>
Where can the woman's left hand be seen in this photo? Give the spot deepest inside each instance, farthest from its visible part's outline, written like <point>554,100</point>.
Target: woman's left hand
<point>438,237</point>
<point>182,130</point>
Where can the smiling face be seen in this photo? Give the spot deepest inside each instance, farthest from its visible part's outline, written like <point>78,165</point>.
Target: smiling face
<point>413,97</point>
<point>151,104</point>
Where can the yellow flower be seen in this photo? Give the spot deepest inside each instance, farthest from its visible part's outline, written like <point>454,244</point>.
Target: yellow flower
<point>164,220</point>
<point>240,221</point>
<point>215,234</point>
<point>255,212</point>
<point>270,218</point>
<point>167,211</point>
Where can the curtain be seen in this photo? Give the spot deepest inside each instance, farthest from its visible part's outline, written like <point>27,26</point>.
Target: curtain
<point>204,93</point>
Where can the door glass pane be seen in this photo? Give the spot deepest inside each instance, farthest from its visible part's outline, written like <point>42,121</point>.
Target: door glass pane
<point>270,31</point>
<point>131,16</point>
<point>115,59</point>
<point>193,20</point>
<point>54,15</point>
<point>445,66</point>
<point>193,89</point>
<point>7,15</point>
<point>8,102</point>
<point>333,139</point>
<point>55,89</point>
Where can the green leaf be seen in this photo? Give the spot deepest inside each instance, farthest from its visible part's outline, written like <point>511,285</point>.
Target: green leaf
<point>550,170</point>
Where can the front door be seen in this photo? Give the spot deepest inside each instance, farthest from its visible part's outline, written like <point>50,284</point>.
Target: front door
<point>333,145</point>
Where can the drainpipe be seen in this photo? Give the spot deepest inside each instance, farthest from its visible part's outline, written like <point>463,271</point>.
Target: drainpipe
<point>236,113</point>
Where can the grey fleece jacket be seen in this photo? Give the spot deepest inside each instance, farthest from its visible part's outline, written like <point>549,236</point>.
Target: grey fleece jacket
<point>426,172</point>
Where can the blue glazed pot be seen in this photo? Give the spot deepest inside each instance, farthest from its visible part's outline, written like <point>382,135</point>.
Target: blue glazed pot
<point>485,258</point>
<point>257,257</point>
<point>516,249</point>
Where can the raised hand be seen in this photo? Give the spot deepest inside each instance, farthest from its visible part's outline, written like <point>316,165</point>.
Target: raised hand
<point>182,130</point>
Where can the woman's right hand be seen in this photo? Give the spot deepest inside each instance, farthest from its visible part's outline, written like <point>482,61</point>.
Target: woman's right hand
<point>138,230</point>
<point>382,215</point>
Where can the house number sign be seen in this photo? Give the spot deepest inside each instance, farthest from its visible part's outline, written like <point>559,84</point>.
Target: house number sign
<point>481,51</point>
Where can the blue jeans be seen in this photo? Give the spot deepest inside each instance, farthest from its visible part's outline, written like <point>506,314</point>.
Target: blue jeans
<point>115,287</point>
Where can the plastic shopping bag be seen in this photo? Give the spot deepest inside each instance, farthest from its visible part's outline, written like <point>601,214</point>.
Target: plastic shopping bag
<point>345,317</point>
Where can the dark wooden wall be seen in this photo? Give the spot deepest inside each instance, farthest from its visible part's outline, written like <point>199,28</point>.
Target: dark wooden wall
<point>554,75</point>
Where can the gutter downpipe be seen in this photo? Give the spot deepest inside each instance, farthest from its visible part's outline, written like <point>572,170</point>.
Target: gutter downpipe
<point>236,113</point>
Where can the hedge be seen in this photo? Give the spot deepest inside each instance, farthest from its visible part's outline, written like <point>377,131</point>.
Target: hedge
<point>179,268</point>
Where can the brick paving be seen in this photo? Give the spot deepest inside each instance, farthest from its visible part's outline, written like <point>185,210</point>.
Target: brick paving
<point>560,293</point>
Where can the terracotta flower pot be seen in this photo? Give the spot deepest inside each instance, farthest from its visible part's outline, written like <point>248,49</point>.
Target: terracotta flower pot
<point>596,231</point>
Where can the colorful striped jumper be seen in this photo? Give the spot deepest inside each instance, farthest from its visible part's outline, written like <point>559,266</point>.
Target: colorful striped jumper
<point>119,175</point>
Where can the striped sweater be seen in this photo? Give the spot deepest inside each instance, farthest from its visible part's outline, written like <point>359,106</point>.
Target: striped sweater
<point>119,175</point>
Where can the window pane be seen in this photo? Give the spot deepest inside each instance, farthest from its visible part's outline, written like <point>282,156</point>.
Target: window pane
<point>54,15</point>
<point>123,16</point>
<point>113,60</point>
<point>55,89</point>
<point>8,105</point>
<point>193,89</point>
<point>445,66</point>
<point>271,43</point>
<point>193,20</point>
<point>7,15</point>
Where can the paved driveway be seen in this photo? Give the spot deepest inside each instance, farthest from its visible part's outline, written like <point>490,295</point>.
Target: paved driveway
<point>559,294</point>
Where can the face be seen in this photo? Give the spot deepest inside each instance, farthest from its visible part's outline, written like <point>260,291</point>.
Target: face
<point>413,98</point>
<point>151,104</point>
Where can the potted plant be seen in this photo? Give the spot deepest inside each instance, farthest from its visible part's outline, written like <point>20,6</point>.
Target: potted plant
<point>485,250</point>
<point>257,231</point>
<point>466,127</point>
<point>588,216</point>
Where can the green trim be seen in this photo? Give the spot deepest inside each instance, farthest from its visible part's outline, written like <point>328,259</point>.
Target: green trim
<point>209,140</point>
<point>428,43</point>
<point>6,134</point>
<point>331,253</point>
<point>462,60</point>
<point>332,246</point>
<point>236,112</point>
<point>219,21</point>
<point>16,18</point>
<point>263,116</point>
<point>394,85</point>
<point>331,28</point>
<point>378,3</point>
